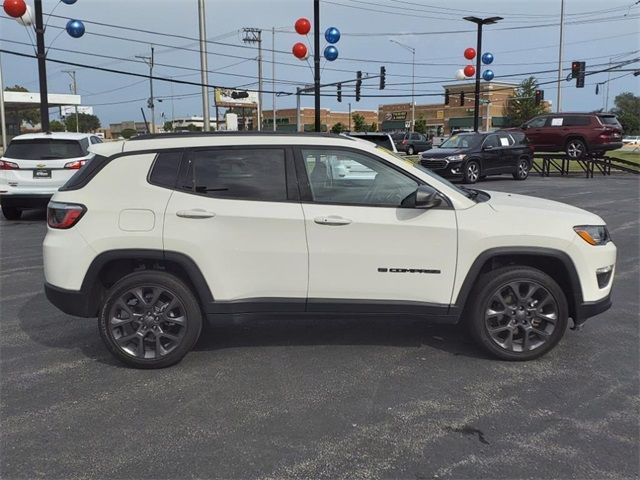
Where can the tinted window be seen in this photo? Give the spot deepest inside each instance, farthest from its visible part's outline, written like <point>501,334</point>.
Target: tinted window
<point>493,141</point>
<point>576,121</point>
<point>250,174</point>
<point>537,122</point>
<point>609,120</point>
<point>519,138</point>
<point>462,141</point>
<point>44,149</point>
<point>351,178</point>
<point>165,169</point>
<point>85,174</point>
<point>415,136</point>
<point>380,140</point>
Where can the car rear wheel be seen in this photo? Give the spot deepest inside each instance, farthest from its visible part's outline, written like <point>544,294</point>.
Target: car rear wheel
<point>411,150</point>
<point>11,213</point>
<point>471,172</point>
<point>150,320</point>
<point>522,170</point>
<point>576,148</point>
<point>517,313</point>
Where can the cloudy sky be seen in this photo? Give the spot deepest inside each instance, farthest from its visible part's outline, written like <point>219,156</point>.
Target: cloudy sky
<point>525,41</point>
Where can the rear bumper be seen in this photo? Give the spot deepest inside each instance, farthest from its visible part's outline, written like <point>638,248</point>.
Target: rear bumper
<point>71,302</point>
<point>587,310</point>
<point>26,200</point>
<point>600,147</point>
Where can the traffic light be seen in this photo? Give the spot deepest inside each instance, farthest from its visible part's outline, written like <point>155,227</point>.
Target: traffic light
<point>383,73</point>
<point>539,96</point>
<point>462,98</point>
<point>578,72</point>
<point>446,97</point>
<point>339,92</point>
<point>358,84</point>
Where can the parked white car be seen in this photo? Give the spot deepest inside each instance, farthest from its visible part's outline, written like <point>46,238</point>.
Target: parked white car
<point>159,232</point>
<point>35,165</point>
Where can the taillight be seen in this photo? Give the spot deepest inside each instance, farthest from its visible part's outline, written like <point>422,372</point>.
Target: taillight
<point>4,165</point>
<point>64,215</point>
<point>75,165</point>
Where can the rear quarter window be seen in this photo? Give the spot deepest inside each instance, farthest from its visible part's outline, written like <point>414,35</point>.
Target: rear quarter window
<point>164,171</point>
<point>609,120</point>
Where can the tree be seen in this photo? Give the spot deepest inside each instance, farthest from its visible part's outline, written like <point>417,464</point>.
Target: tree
<point>128,133</point>
<point>56,126</point>
<point>168,126</point>
<point>358,123</point>
<point>87,123</point>
<point>29,115</point>
<point>628,112</point>
<point>338,128</point>
<point>421,126</point>
<point>522,106</point>
<point>373,127</point>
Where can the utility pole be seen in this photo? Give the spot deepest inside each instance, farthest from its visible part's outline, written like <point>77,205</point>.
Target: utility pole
<point>413,82</point>
<point>273,75</point>
<point>316,61</point>
<point>42,67</point>
<point>349,116</point>
<point>204,77</point>
<point>254,35</point>
<point>479,22</point>
<point>559,95</point>
<point>298,90</point>
<point>150,103</point>
<point>3,121</point>
<point>74,89</point>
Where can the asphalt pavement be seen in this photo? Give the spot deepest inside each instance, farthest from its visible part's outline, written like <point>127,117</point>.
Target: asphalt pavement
<point>322,398</point>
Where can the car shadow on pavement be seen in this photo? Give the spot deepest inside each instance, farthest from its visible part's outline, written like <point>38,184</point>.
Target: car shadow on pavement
<point>47,326</point>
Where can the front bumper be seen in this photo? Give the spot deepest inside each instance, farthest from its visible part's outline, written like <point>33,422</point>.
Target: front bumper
<point>445,168</point>
<point>586,310</point>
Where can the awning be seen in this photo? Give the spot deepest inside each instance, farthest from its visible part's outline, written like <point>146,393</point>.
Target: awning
<point>461,122</point>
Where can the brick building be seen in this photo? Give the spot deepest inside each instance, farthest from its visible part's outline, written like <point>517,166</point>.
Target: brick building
<point>286,119</point>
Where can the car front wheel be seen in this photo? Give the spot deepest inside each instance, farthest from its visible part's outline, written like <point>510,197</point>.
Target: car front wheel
<point>522,170</point>
<point>517,313</point>
<point>150,320</point>
<point>576,148</point>
<point>471,172</point>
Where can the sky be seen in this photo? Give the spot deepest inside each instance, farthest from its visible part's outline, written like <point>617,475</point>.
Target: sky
<point>525,41</point>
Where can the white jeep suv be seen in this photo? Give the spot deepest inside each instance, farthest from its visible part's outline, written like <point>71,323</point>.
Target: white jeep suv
<point>35,165</point>
<point>160,232</point>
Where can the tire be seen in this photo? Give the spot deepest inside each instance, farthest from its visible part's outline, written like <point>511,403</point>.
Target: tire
<point>522,170</point>
<point>576,148</point>
<point>471,172</point>
<point>528,320</point>
<point>11,213</point>
<point>150,335</point>
<point>411,150</point>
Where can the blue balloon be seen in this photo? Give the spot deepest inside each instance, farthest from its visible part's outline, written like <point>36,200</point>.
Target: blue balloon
<point>488,75</point>
<point>69,2</point>
<point>487,58</point>
<point>331,53</point>
<point>332,35</point>
<point>75,28</point>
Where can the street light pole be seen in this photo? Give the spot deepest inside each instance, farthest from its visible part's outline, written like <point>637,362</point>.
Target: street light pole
<point>42,67</point>
<point>316,61</point>
<point>476,104</point>
<point>204,77</point>
<point>413,81</point>
<point>3,123</point>
<point>559,95</point>
<point>150,103</point>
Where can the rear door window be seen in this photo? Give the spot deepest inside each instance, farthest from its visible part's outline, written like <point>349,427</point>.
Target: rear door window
<point>576,121</point>
<point>44,149</point>
<point>246,174</point>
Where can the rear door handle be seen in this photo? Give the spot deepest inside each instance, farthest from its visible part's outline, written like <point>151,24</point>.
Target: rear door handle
<point>332,220</point>
<point>195,213</point>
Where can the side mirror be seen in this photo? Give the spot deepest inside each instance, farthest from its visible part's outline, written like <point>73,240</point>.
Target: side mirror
<point>424,197</point>
<point>524,126</point>
<point>488,147</point>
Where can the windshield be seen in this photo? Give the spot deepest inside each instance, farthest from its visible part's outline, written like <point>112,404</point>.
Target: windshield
<point>43,149</point>
<point>461,140</point>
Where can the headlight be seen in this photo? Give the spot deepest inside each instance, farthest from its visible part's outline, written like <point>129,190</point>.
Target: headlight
<point>456,157</point>
<point>593,234</point>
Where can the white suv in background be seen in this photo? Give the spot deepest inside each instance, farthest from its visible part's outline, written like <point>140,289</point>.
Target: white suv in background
<point>34,166</point>
<point>158,233</point>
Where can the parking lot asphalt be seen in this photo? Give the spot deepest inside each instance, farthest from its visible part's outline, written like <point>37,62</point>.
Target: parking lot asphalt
<point>324,398</point>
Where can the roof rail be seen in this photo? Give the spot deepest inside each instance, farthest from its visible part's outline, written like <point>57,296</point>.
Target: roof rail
<point>149,136</point>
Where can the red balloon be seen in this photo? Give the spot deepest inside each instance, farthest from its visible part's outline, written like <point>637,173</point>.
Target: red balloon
<point>469,70</point>
<point>303,26</point>
<point>470,53</point>
<point>299,50</point>
<point>15,8</point>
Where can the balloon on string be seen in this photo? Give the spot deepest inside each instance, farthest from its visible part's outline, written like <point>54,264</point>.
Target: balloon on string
<point>299,50</point>
<point>332,35</point>
<point>15,8</point>
<point>488,75</point>
<point>469,71</point>
<point>331,53</point>
<point>26,20</point>
<point>460,75</point>
<point>470,53</point>
<point>487,58</point>
<point>69,2</point>
<point>75,28</point>
<point>303,25</point>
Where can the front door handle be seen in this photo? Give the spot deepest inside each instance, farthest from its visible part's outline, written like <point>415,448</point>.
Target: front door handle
<point>195,213</point>
<point>332,220</point>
